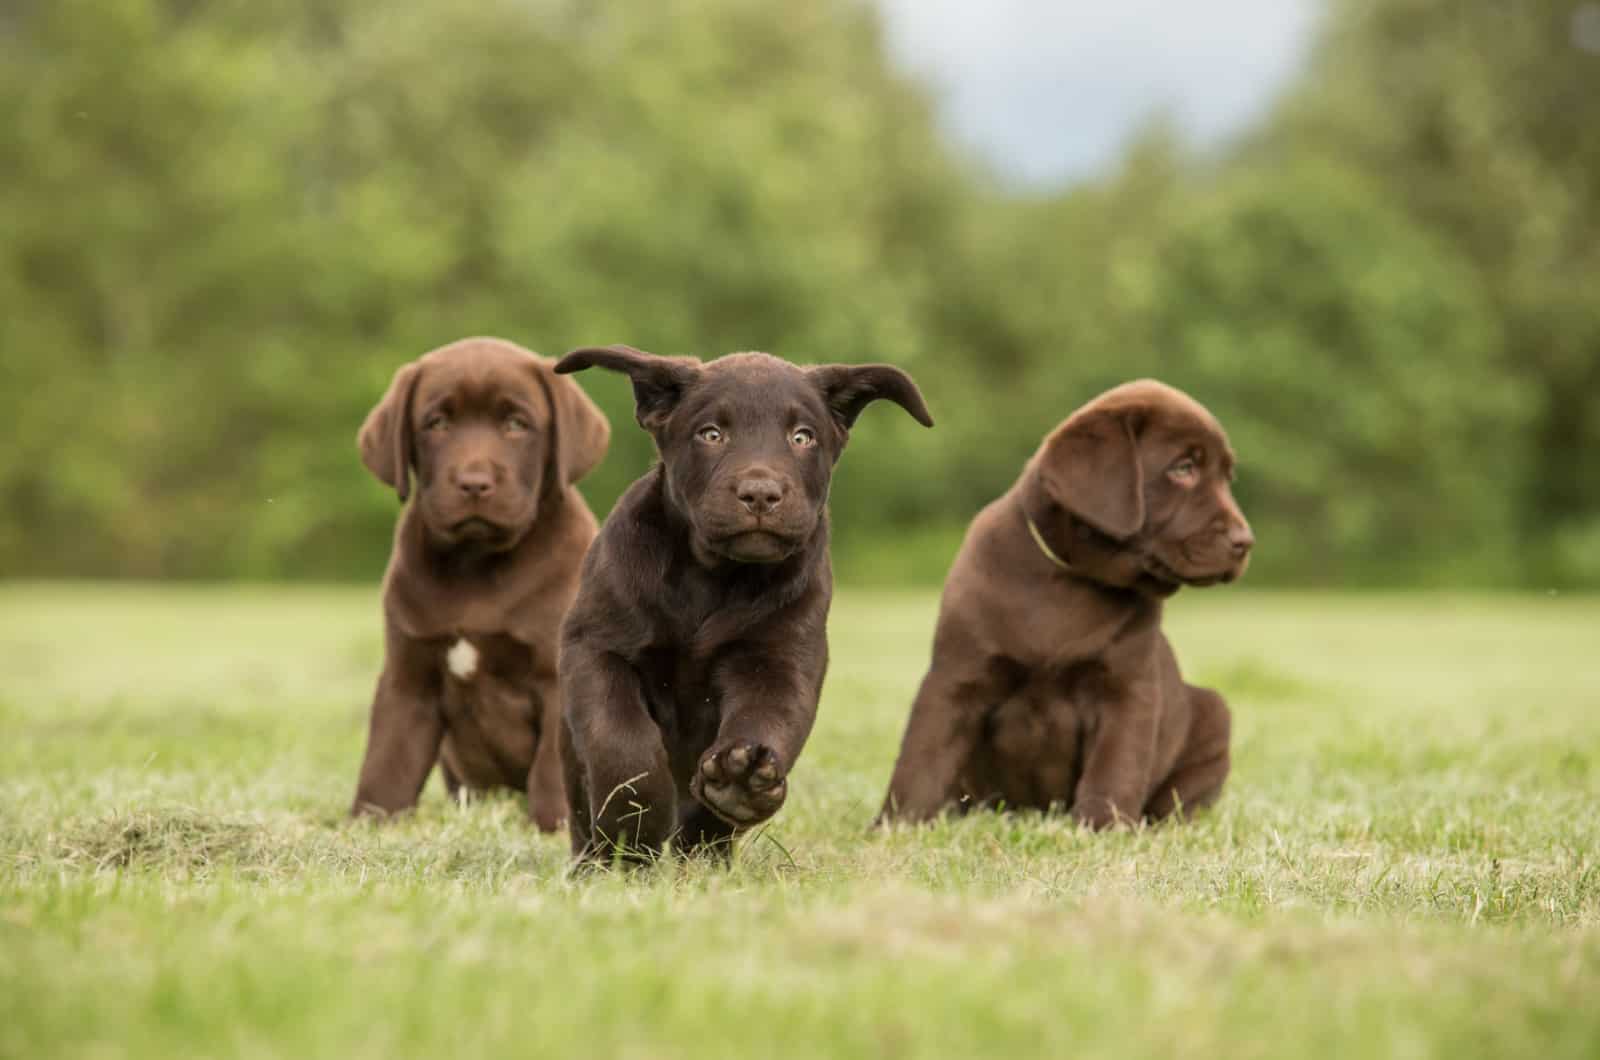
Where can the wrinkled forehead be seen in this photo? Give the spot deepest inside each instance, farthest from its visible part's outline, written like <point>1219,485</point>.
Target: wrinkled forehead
<point>753,386</point>
<point>1186,424</point>
<point>483,377</point>
<point>1171,421</point>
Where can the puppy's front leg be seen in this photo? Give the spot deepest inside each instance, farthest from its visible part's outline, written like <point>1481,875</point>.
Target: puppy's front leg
<point>769,703</point>
<point>941,736</point>
<point>402,742</point>
<point>547,799</point>
<point>615,746</point>
<point>1116,774</point>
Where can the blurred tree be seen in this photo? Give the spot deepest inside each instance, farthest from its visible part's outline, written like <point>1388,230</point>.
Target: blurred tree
<point>1482,121</point>
<point>1352,356</point>
<point>1351,353</point>
<point>225,224</point>
<point>149,260</point>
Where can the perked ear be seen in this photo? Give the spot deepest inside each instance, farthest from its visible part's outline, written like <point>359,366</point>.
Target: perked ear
<point>579,431</point>
<point>1090,466</point>
<point>385,437</point>
<point>659,383</point>
<point>849,388</point>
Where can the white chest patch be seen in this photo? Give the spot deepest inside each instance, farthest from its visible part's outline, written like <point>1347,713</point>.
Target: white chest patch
<point>462,658</point>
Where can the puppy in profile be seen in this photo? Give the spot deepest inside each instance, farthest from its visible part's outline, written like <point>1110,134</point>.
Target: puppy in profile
<point>693,658</point>
<point>1052,685</point>
<point>485,564</point>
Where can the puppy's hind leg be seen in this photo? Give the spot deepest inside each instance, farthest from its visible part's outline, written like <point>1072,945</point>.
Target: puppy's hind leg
<point>1196,780</point>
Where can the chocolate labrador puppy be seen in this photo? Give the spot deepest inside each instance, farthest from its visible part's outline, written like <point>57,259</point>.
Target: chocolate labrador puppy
<point>692,660</point>
<point>484,567</point>
<point>1052,684</point>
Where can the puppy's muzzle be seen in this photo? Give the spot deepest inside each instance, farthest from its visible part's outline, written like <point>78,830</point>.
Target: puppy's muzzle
<point>760,496</point>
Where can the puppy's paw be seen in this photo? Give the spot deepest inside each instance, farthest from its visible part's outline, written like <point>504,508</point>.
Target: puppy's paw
<point>548,818</point>
<point>547,807</point>
<point>1100,814</point>
<point>741,782</point>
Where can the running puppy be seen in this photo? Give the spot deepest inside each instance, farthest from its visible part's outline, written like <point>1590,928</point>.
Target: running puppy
<point>485,564</point>
<point>1052,685</point>
<point>692,660</point>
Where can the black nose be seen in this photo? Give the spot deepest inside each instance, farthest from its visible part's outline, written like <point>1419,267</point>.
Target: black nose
<point>1241,540</point>
<point>760,495</point>
<point>476,485</point>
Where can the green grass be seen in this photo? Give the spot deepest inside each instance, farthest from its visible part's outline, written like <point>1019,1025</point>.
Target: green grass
<point>1405,861</point>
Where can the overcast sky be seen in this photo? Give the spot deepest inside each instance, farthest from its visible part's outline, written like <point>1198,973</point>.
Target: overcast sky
<point>1049,90</point>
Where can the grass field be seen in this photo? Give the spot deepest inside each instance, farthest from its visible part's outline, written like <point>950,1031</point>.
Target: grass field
<point>1406,861</point>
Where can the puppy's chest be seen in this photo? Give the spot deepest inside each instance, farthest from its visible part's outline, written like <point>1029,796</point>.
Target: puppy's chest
<point>485,672</point>
<point>672,675</point>
<point>1061,641</point>
<point>1039,734</point>
<point>680,694</point>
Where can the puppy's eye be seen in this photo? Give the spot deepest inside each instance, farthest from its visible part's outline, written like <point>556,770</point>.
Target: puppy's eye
<point>1184,472</point>
<point>711,434</point>
<point>518,424</point>
<point>437,421</point>
<point>803,438</point>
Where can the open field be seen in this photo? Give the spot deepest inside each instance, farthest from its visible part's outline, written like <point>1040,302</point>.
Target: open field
<point>1406,862</point>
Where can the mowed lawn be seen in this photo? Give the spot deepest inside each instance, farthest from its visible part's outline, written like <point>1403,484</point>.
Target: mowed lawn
<point>1406,861</point>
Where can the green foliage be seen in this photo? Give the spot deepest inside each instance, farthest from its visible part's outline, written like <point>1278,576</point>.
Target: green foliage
<point>223,225</point>
<point>1310,315</point>
<point>230,222</point>
<point>1484,126</point>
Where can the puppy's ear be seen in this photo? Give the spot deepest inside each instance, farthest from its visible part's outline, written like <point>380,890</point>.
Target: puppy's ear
<point>1090,466</point>
<point>659,383</point>
<point>849,388</point>
<point>579,431</point>
<point>385,438</point>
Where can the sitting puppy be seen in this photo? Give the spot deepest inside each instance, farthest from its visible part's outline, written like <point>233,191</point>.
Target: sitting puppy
<point>1052,684</point>
<point>692,660</point>
<point>485,564</point>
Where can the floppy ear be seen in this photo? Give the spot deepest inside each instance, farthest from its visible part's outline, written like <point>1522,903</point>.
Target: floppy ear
<point>579,431</point>
<point>659,383</point>
<point>849,388</point>
<point>1090,467</point>
<point>385,438</point>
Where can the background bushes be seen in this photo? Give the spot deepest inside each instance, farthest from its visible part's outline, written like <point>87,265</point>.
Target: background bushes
<point>222,226</point>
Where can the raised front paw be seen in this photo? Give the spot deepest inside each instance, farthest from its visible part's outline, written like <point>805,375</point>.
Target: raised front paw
<point>740,782</point>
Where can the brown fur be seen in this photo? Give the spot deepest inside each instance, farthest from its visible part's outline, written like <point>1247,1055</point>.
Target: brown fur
<point>489,551</point>
<point>1053,686</point>
<point>692,660</point>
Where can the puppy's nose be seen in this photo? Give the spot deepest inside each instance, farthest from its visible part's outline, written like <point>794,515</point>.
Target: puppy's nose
<point>1240,539</point>
<point>760,495</point>
<point>475,484</point>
